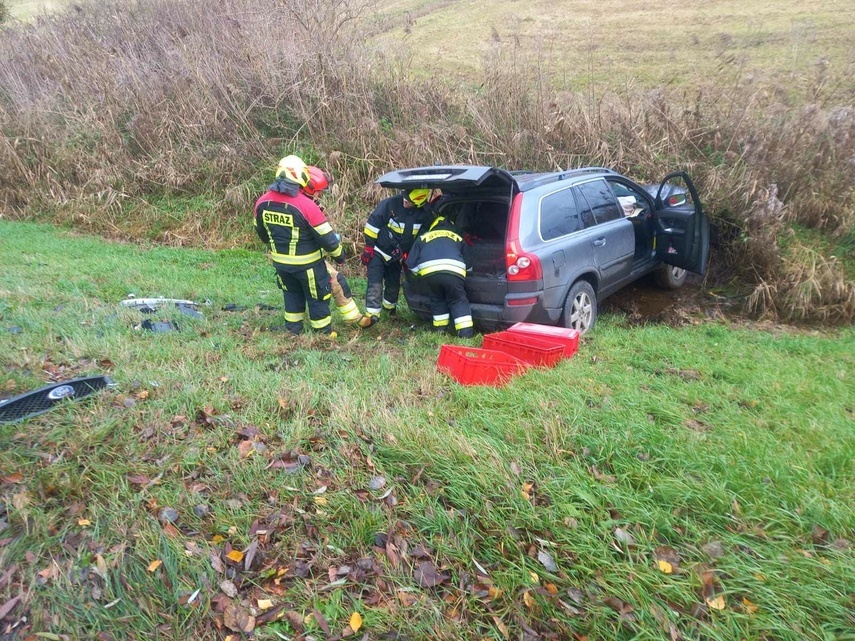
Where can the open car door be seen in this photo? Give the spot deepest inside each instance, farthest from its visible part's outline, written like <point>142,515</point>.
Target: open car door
<point>682,228</point>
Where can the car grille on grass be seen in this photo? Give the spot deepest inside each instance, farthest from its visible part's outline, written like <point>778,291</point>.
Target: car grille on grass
<point>46,398</point>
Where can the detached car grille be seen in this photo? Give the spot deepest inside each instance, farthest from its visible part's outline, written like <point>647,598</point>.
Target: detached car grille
<point>46,398</point>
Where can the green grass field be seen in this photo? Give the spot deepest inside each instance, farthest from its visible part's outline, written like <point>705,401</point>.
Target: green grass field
<point>28,9</point>
<point>616,44</point>
<point>691,482</point>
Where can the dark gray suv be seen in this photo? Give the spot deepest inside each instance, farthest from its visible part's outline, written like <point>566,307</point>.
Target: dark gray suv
<point>546,247</point>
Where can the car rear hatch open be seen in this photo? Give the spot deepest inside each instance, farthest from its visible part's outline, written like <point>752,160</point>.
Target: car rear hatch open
<point>478,199</point>
<point>474,182</point>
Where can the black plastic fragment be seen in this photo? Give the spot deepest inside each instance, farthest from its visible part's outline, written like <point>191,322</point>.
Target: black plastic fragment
<point>44,399</point>
<point>159,326</point>
<point>188,311</point>
<point>233,307</point>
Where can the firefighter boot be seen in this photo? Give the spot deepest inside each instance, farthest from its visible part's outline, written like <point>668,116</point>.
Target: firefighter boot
<point>367,320</point>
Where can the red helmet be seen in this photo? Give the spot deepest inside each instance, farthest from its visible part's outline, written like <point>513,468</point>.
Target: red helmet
<point>318,181</point>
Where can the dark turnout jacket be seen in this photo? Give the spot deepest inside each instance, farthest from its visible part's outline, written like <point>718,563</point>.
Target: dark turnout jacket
<point>293,226</point>
<point>440,249</point>
<point>392,226</point>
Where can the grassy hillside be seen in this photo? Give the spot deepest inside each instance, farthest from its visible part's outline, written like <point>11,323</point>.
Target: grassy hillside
<point>29,9</point>
<point>692,482</point>
<point>615,43</point>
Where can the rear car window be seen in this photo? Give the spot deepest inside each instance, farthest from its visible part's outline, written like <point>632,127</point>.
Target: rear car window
<point>601,201</point>
<point>559,215</point>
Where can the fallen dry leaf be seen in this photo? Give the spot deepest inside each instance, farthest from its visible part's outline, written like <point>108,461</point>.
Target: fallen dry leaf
<point>154,565</point>
<point>716,603</point>
<point>235,555</point>
<point>265,604</point>
<point>749,605</point>
<point>664,566</point>
<point>84,522</point>
<point>624,537</point>
<point>528,599</point>
<point>7,607</point>
<point>229,588</point>
<point>237,619</point>
<point>427,576</point>
<point>355,621</point>
<point>547,561</point>
<point>667,559</point>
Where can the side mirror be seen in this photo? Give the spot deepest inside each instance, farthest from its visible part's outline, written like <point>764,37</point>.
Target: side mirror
<point>676,200</point>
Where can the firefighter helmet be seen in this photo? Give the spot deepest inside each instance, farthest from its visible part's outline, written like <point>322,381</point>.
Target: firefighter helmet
<point>293,169</point>
<point>318,181</point>
<point>418,197</point>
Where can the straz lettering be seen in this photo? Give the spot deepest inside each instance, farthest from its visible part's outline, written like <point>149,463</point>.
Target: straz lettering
<point>441,233</point>
<point>278,218</point>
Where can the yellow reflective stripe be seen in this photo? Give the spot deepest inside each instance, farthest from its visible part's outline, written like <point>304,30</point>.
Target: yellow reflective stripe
<point>388,305</point>
<point>335,253</point>
<point>313,286</point>
<point>394,225</point>
<point>442,268</point>
<point>323,228</point>
<point>371,231</point>
<point>294,317</point>
<point>295,236</point>
<point>303,259</point>
<point>436,221</point>
<point>441,321</point>
<point>270,240</point>
<point>462,322</point>
<point>321,322</point>
<point>349,312</point>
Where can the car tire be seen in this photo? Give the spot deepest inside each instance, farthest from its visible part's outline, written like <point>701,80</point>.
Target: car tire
<point>580,308</point>
<point>670,277</point>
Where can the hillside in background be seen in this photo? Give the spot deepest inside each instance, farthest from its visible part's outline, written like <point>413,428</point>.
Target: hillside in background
<point>615,43</point>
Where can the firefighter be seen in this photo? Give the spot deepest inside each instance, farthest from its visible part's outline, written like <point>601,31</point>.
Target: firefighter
<point>341,294</point>
<point>389,234</point>
<point>439,257</point>
<point>297,234</point>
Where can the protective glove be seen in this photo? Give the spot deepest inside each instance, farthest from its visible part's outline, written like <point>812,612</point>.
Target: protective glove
<point>339,259</point>
<point>396,254</point>
<point>367,255</point>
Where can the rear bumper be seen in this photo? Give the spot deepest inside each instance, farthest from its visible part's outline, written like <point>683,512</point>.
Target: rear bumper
<point>489,317</point>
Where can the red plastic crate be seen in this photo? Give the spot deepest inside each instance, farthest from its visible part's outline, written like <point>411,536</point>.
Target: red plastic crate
<point>536,351</point>
<point>475,366</point>
<point>567,337</point>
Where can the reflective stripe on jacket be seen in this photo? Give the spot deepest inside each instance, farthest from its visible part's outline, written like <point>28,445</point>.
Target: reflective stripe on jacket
<point>392,226</point>
<point>439,249</point>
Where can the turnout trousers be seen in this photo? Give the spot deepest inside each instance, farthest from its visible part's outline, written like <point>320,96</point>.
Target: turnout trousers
<point>306,286</point>
<point>447,299</point>
<point>382,274</point>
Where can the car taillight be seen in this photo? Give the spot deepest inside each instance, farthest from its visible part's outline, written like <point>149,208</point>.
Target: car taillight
<point>520,265</point>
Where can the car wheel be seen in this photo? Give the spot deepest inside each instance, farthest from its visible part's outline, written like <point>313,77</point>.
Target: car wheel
<point>670,277</point>
<point>580,308</point>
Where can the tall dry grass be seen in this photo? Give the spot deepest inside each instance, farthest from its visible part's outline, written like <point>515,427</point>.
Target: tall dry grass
<point>110,113</point>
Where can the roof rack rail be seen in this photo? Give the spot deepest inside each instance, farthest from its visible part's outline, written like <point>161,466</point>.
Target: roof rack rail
<point>562,175</point>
